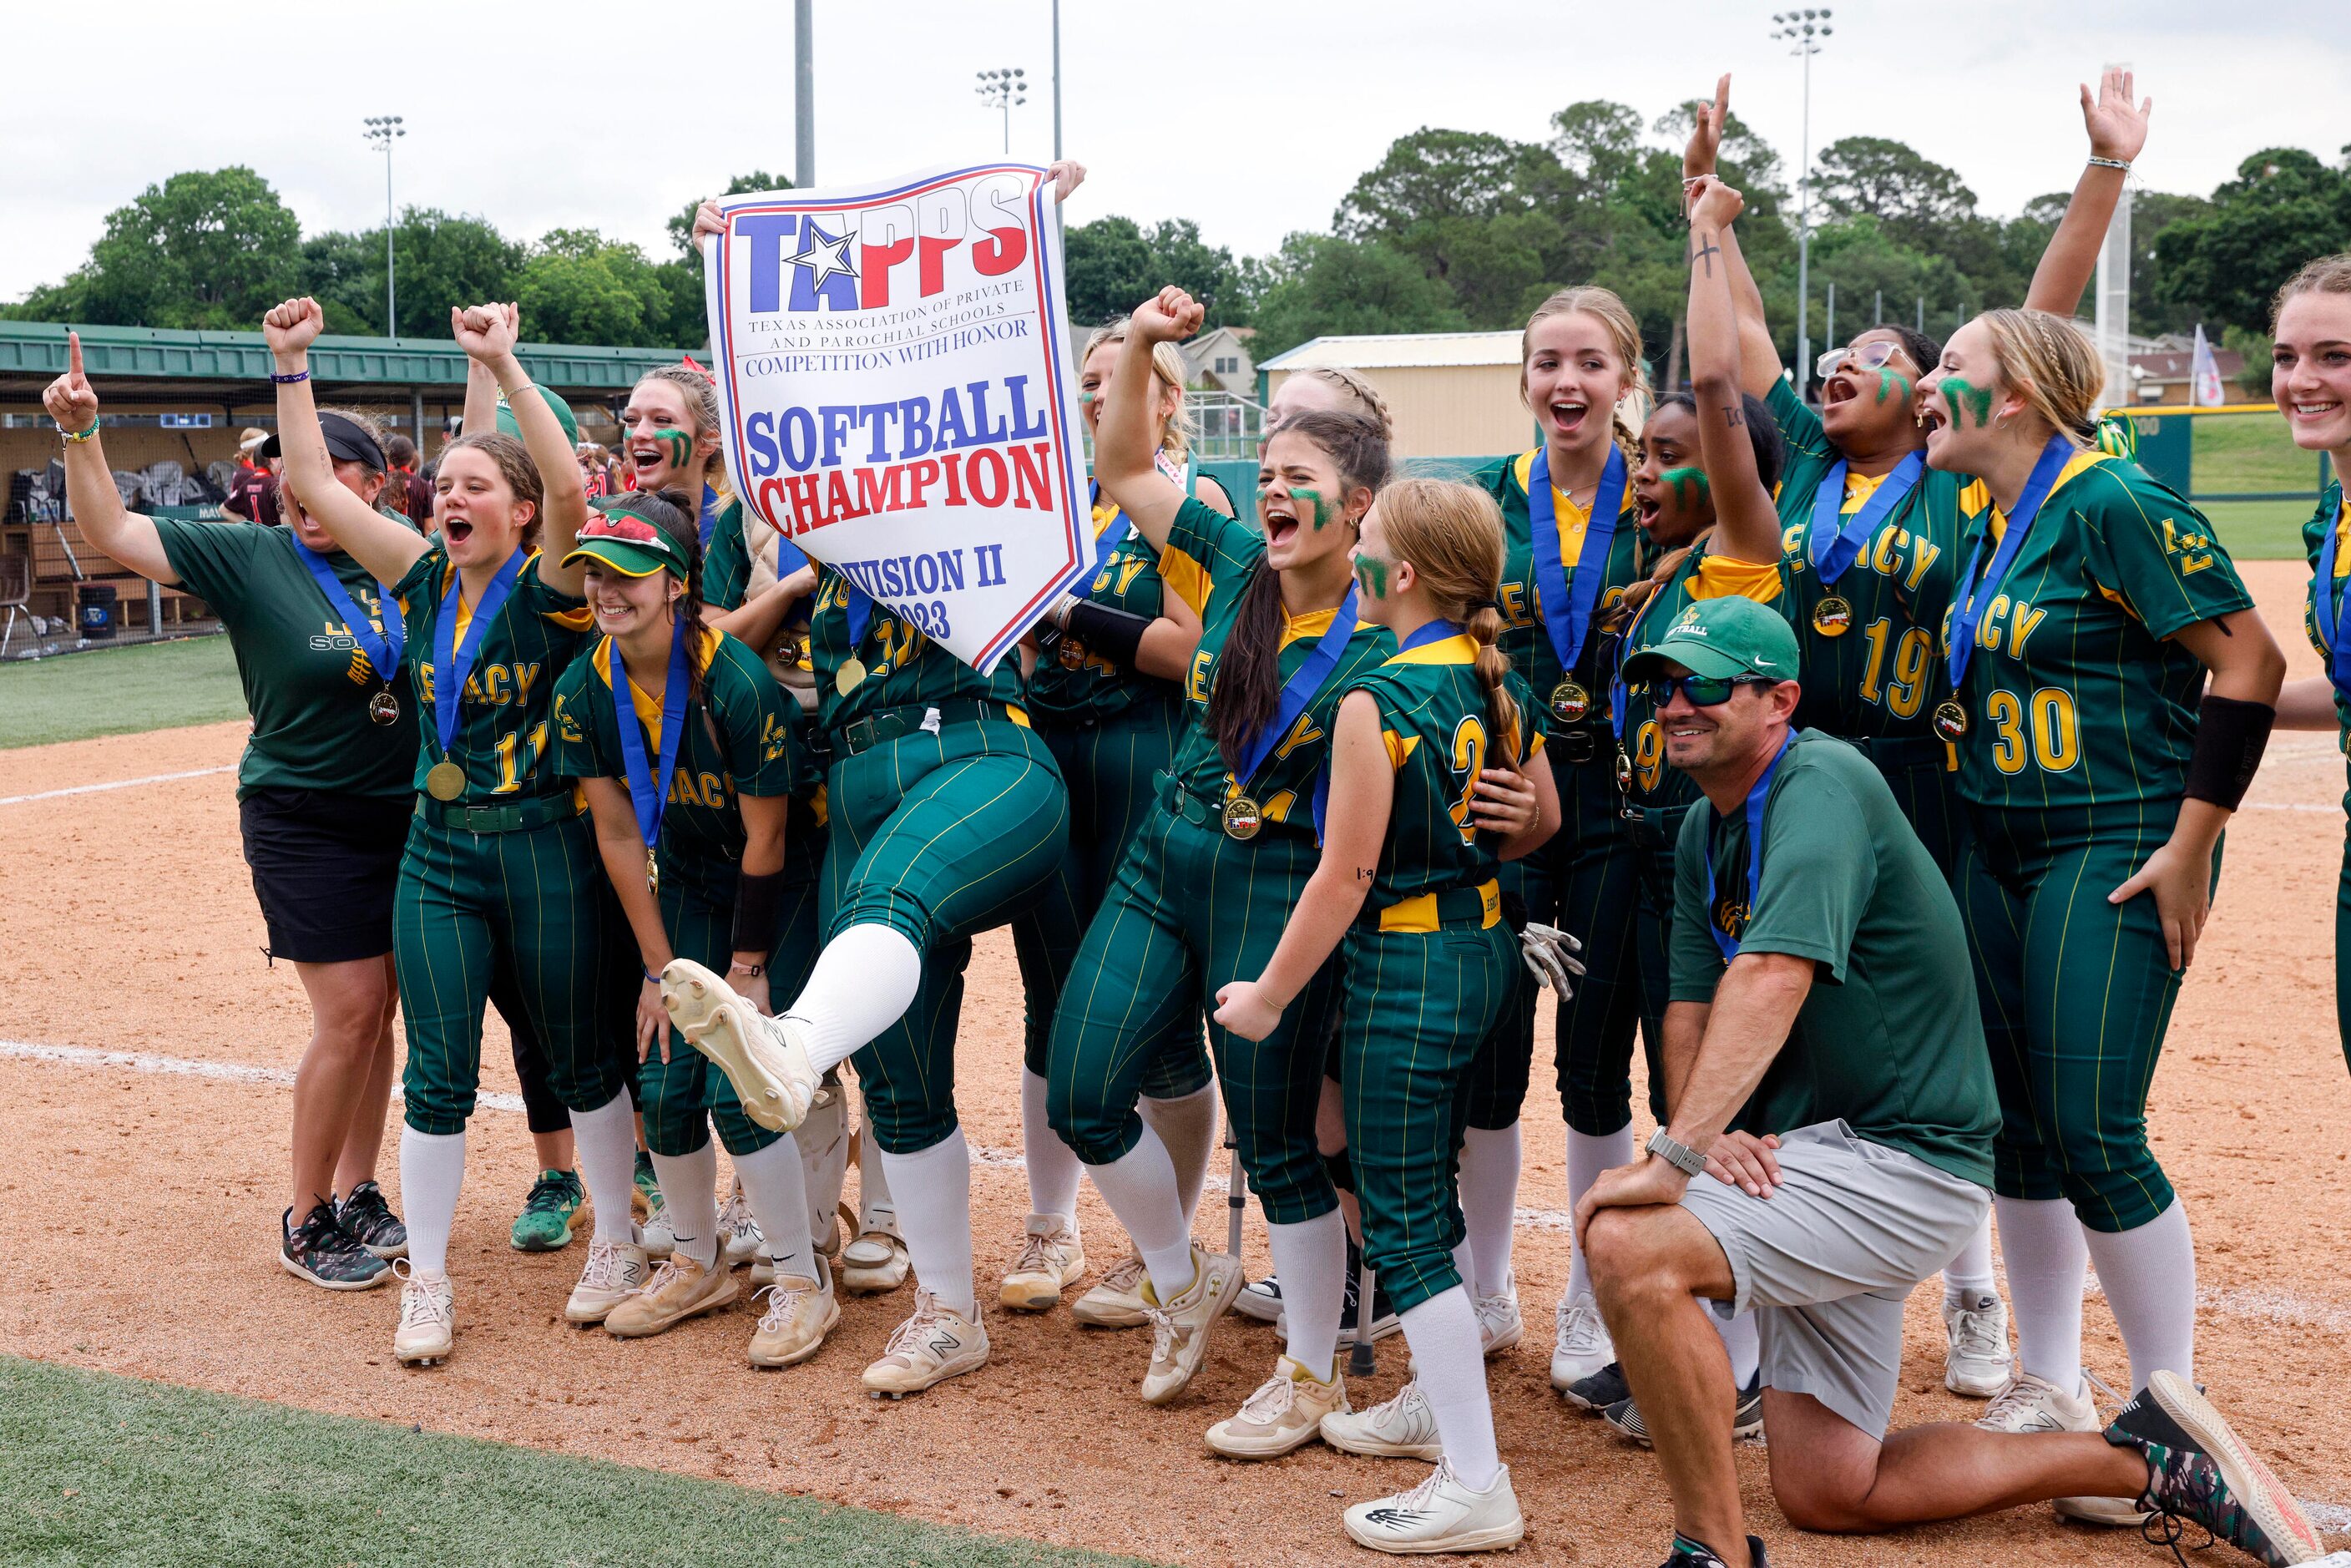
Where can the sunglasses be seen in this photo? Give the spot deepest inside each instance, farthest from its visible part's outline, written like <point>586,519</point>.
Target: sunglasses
<point>1873,356</point>
<point>1703,691</point>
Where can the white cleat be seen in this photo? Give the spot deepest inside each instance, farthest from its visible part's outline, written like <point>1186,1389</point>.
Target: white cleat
<point>763,1058</point>
<point>739,1233</point>
<point>799,1313</point>
<point>2029,1404</point>
<point>1052,1258</point>
<point>1179,1330</point>
<point>615,1272</point>
<point>1582,1347</point>
<point>1499,1325</point>
<point>428,1319</point>
<point>934,1344</point>
<point>1440,1515</point>
<point>1402,1428</point>
<point>1975,1355</point>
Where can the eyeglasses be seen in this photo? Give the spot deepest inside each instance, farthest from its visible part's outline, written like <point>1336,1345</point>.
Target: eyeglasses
<point>1703,691</point>
<point>1872,356</point>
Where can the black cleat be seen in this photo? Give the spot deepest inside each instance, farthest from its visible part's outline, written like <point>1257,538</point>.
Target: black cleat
<point>1746,1416</point>
<point>1688,1554</point>
<point>1598,1391</point>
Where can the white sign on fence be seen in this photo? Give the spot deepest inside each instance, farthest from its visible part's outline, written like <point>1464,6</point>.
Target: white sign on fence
<point>897,395</point>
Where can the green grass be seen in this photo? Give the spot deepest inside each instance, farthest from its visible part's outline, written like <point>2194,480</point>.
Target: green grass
<point>2245,451</point>
<point>2260,531</point>
<point>118,691</point>
<point>102,1470</point>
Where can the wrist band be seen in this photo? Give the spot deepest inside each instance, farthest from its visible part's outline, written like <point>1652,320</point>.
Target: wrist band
<point>2229,738</point>
<point>516,392</point>
<point>757,897</point>
<point>651,978</point>
<point>1689,179</point>
<point>2099,162</point>
<point>1115,634</point>
<point>280,378</point>
<point>78,436</point>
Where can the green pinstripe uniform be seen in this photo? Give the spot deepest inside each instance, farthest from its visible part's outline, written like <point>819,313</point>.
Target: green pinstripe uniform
<point>1585,880</point>
<point>1191,909</point>
<point>507,876</point>
<point>2081,721</point>
<point>1657,799</point>
<point>938,830</point>
<point>1428,965</point>
<point>1113,731</point>
<point>745,739</point>
<point>1876,682</point>
<point>2334,516</point>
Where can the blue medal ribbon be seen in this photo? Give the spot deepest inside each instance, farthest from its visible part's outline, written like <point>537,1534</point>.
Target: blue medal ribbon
<point>1619,696</point>
<point>1978,597</point>
<point>709,515</point>
<point>1435,632</point>
<point>1113,532</point>
<point>648,790</point>
<point>1567,606</point>
<point>1299,689</point>
<point>1755,798</point>
<point>383,648</point>
<point>453,663</point>
<point>2326,600</point>
<point>1832,547</point>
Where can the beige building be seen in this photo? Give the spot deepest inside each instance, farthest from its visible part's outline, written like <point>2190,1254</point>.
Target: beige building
<point>1453,394</point>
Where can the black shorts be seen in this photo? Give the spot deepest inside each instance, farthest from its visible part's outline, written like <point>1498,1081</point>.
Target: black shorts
<point>324,868</point>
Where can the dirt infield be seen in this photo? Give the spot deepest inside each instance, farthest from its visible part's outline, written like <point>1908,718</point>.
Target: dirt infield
<point>137,1216</point>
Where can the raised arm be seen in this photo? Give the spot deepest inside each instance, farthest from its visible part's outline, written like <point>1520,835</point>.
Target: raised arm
<point>1759,358</point>
<point>90,496</point>
<point>481,388</point>
<point>2118,128</point>
<point>1747,524</point>
<point>487,334</point>
<point>1129,434</point>
<point>386,547</point>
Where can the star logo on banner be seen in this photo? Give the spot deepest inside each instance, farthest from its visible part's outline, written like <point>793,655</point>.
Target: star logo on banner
<point>824,256</point>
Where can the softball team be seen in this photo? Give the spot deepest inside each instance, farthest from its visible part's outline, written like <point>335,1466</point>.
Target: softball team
<point>1356,779</point>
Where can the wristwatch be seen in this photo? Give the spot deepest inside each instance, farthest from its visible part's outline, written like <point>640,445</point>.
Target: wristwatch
<point>1679,1155</point>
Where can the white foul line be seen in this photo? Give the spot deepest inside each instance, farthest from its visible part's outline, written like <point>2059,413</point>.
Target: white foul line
<point>118,784</point>
<point>180,1066</point>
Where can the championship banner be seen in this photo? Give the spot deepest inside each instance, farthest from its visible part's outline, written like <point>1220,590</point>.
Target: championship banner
<point>897,396</point>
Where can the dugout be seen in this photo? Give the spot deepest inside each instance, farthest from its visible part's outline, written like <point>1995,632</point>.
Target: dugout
<point>181,398</point>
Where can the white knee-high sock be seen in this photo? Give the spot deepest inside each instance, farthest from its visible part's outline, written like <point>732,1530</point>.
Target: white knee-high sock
<point>863,981</point>
<point>1053,1168</point>
<point>1744,1343</point>
<point>431,1168</point>
<point>1311,1259</point>
<point>1587,1157</point>
<point>1969,1269</point>
<point>1490,1203</point>
<point>1451,1366</point>
<point>934,1193</point>
<point>1140,1187</point>
<point>777,1184</point>
<point>2041,1242</point>
<point>689,1189</point>
<point>1187,1127</point>
<point>2149,1274</point>
<point>606,1139</point>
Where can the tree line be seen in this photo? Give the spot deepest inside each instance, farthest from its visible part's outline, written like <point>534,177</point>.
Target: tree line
<point>1452,230</point>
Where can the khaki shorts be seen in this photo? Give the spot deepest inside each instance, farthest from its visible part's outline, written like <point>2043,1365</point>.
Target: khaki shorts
<point>1827,1260</point>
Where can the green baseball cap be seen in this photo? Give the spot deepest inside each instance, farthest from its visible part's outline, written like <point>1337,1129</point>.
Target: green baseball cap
<point>631,545</point>
<point>563,416</point>
<point>1722,639</point>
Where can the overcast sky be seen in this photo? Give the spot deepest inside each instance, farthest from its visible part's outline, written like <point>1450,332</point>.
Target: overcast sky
<point>1253,117</point>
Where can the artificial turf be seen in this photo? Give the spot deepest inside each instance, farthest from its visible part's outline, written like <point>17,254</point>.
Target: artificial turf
<point>118,691</point>
<point>97,1468</point>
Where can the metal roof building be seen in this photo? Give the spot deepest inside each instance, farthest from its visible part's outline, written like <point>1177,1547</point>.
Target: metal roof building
<point>1450,392</point>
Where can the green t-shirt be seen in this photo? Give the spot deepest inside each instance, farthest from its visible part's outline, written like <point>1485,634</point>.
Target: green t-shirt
<point>1879,676</point>
<point>1524,636</point>
<point>1889,1037</point>
<point>1699,577</point>
<point>1438,733</point>
<point>2334,516</point>
<point>1208,561</point>
<point>307,681</point>
<point>2075,695</point>
<point>748,739</point>
<point>502,715</point>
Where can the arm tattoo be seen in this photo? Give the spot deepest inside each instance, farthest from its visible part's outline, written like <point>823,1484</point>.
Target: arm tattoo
<point>1703,248</point>
<point>1733,416</point>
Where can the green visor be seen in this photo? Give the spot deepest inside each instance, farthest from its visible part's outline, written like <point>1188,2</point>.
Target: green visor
<point>1722,639</point>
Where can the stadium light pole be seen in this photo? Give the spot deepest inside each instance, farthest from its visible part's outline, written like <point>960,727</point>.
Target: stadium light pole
<point>1000,89</point>
<point>382,130</point>
<point>803,93</point>
<point>1056,80</point>
<point>1804,29</point>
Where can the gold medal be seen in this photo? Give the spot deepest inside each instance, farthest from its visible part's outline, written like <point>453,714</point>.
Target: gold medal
<point>1832,617</point>
<point>1072,654</point>
<point>850,675</point>
<point>444,780</point>
<point>1950,720</point>
<point>653,871</point>
<point>383,707</point>
<point>1570,701</point>
<point>1624,772</point>
<point>1242,817</point>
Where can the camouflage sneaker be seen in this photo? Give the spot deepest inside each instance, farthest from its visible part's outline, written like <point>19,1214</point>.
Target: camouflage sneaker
<point>2200,1472</point>
<point>544,1223</point>
<point>319,1250</point>
<point>369,1220</point>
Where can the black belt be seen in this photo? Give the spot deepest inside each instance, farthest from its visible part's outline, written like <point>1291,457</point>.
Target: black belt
<point>1579,745</point>
<point>864,735</point>
<point>1207,814</point>
<point>1435,911</point>
<point>1906,753</point>
<point>1653,827</point>
<point>519,818</point>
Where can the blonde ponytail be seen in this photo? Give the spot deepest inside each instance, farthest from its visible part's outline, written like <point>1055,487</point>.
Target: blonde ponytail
<point>1452,534</point>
